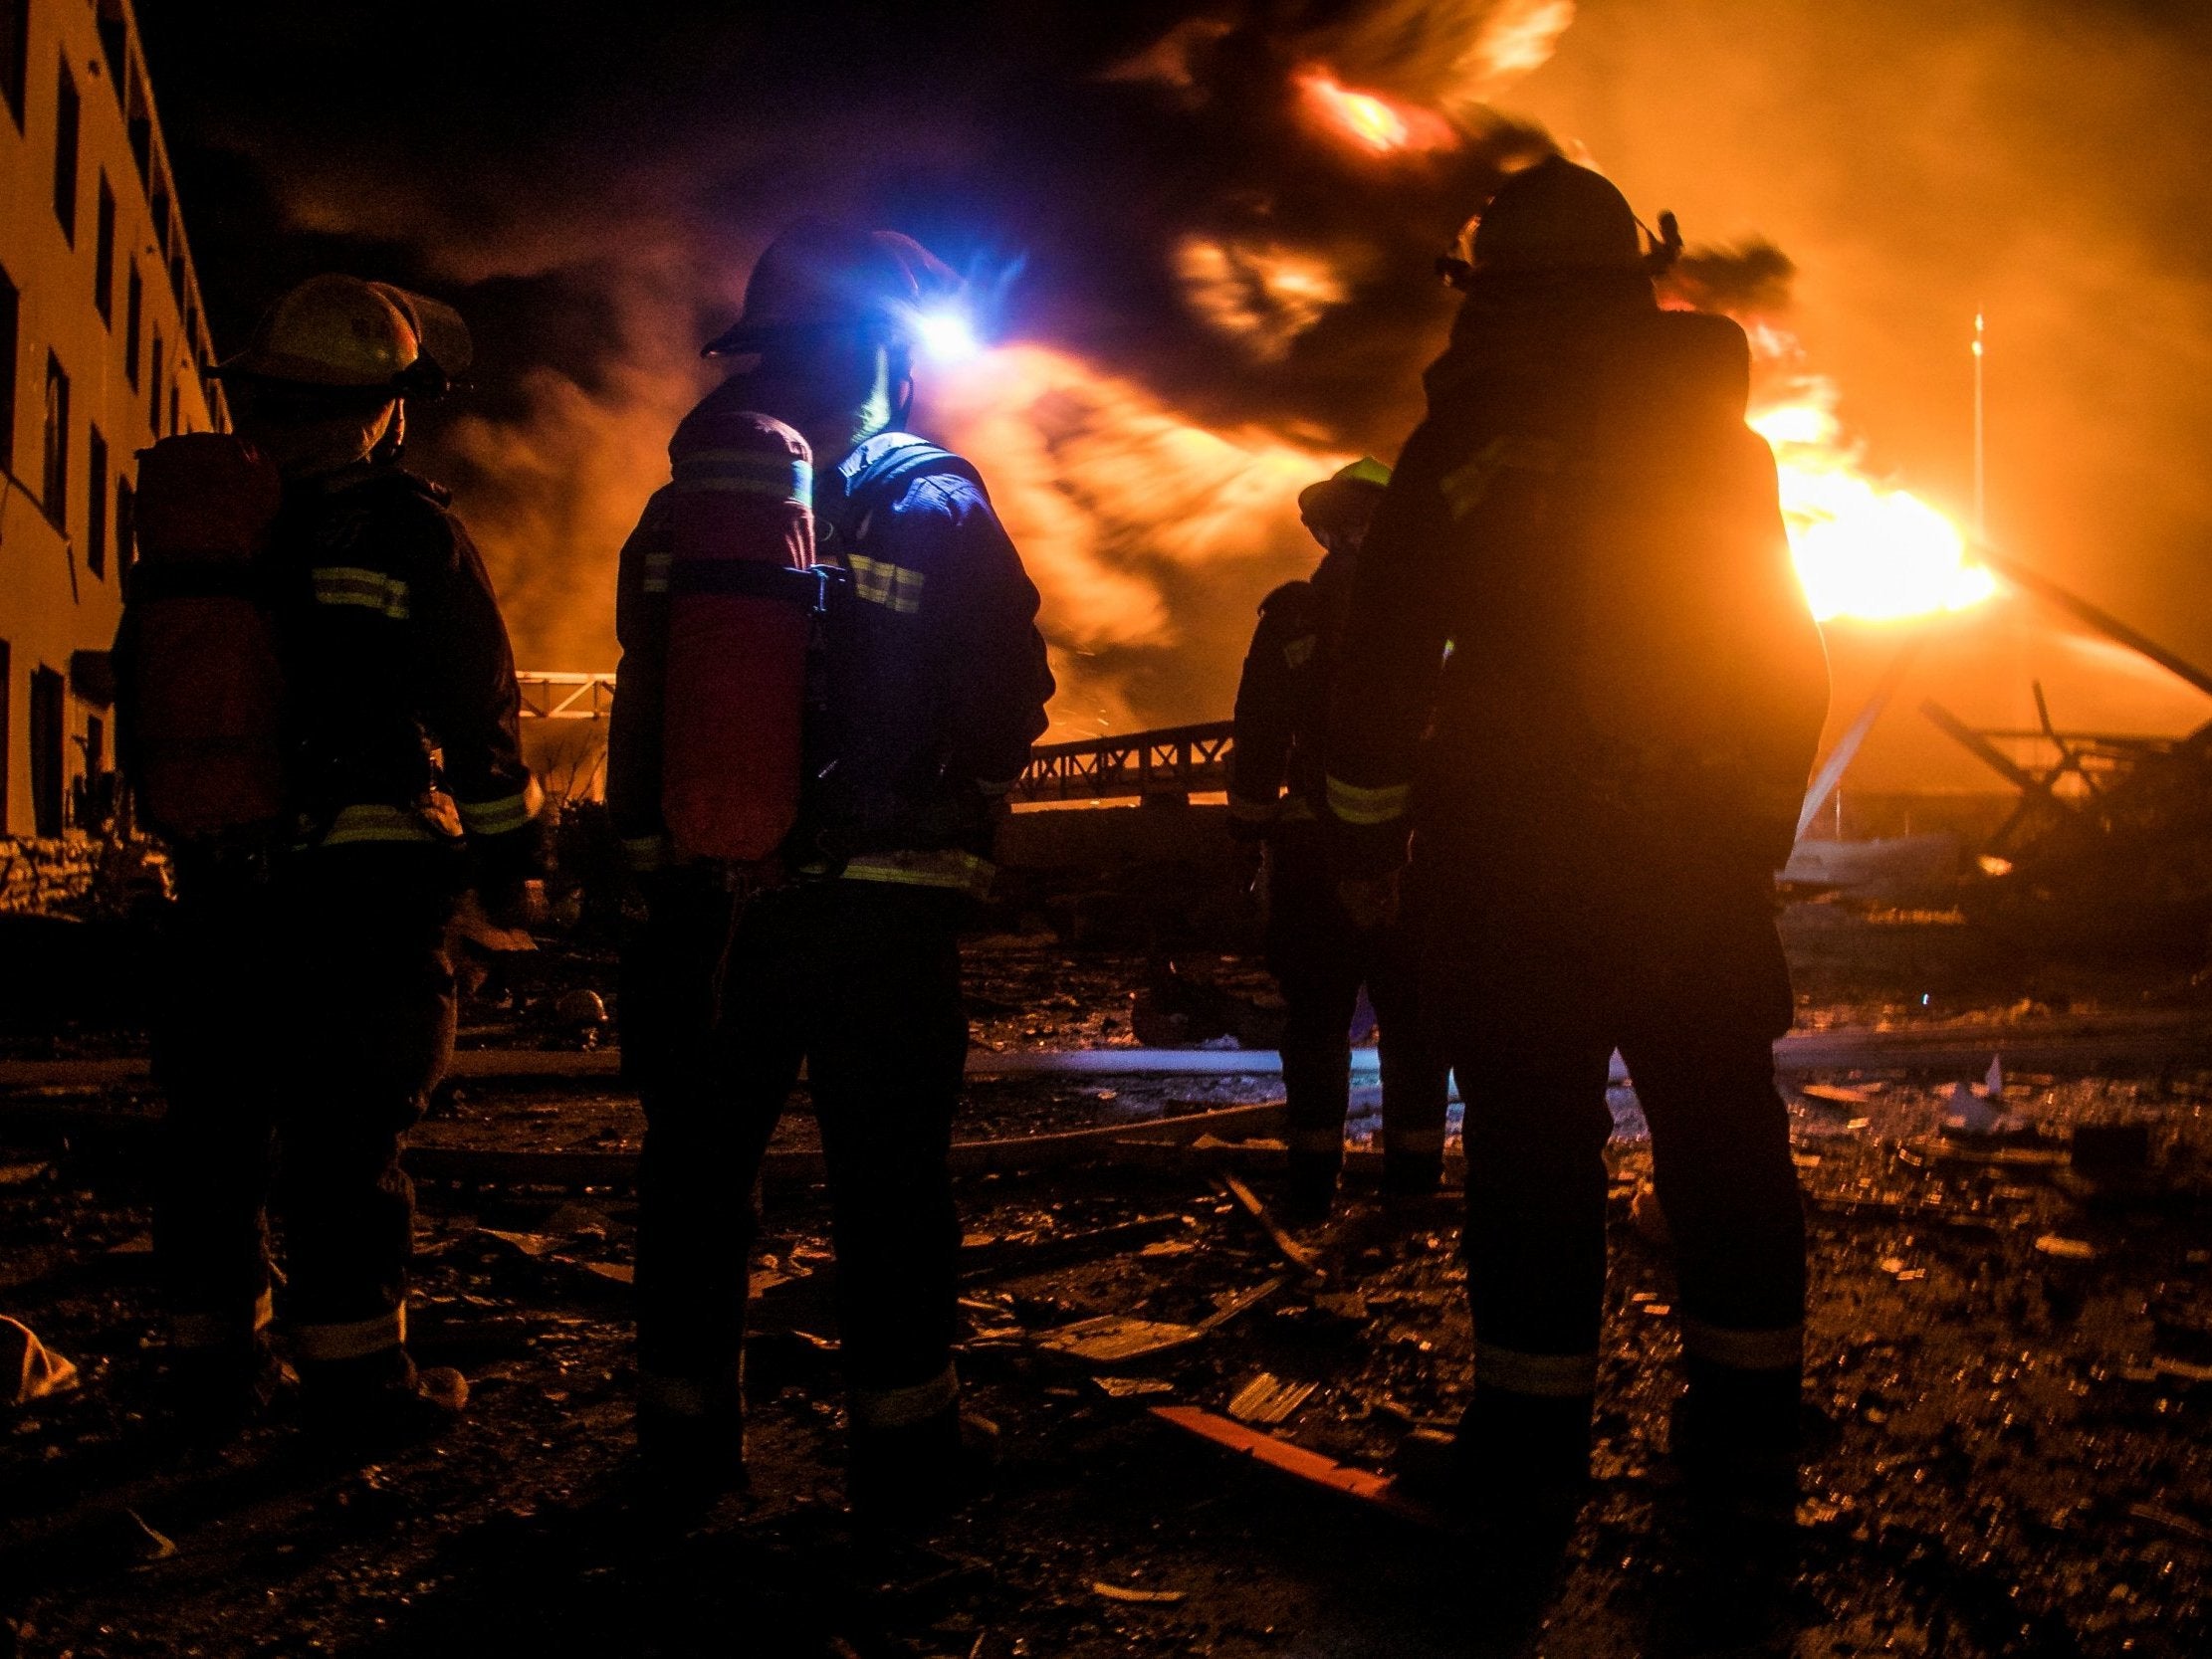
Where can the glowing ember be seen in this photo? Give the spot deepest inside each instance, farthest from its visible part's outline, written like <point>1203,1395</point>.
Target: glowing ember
<point>1370,122</point>
<point>1519,36</point>
<point>1259,294</point>
<point>1863,550</point>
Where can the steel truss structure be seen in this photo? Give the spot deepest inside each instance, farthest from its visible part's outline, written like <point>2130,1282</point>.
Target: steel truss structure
<point>1175,762</point>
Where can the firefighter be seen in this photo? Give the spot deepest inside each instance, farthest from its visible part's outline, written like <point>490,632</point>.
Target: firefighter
<point>1319,957</point>
<point>309,1004</point>
<point>1578,588</point>
<point>931,685</point>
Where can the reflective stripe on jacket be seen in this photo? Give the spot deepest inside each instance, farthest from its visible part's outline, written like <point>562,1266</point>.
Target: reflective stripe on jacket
<point>934,678</point>
<point>404,714</point>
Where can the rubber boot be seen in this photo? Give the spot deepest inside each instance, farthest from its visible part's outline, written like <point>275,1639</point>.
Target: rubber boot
<point>380,1400</point>
<point>1411,1174</point>
<point>1738,1437</point>
<point>219,1391</point>
<point>691,1449</point>
<point>1309,1194</point>
<point>906,1477</point>
<point>1524,1460</point>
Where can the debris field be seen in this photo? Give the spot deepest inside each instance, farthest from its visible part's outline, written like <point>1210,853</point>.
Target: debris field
<point>2011,1349</point>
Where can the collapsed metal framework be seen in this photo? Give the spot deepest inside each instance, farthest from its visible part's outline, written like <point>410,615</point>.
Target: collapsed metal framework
<point>2111,841</point>
<point>1171,764</point>
<point>566,697</point>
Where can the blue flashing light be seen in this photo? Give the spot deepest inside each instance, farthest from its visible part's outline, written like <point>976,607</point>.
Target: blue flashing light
<point>947,334</point>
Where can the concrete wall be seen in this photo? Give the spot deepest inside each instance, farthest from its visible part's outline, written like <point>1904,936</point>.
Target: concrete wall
<point>60,594</point>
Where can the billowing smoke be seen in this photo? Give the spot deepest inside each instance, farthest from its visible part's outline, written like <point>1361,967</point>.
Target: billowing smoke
<point>1220,297</point>
<point>1218,301</point>
<point>1748,282</point>
<point>1456,58</point>
<point>1131,515</point>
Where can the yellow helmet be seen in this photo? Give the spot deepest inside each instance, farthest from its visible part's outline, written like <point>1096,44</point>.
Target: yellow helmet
<point>345,334</point>
<point>1347,496</point>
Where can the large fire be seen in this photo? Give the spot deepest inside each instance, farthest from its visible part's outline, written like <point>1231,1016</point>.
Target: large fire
<point>1864,549</point>
<point>1127,511</point>
<point>1259,294</point>
<point>1370,122</point>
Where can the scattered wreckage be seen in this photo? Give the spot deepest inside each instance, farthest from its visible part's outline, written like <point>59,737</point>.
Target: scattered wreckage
<point>2108,845</point>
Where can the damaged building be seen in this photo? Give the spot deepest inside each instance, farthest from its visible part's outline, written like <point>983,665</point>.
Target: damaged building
<point>105,343</point>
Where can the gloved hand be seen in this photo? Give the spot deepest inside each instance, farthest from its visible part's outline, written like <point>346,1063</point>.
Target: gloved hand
<point>1372,902</point>
<point>842,817</point>
<point>509,873</point>
<point>1250,830</point>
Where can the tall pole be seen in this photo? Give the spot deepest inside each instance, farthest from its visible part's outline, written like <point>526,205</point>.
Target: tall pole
<point>1981,475</point>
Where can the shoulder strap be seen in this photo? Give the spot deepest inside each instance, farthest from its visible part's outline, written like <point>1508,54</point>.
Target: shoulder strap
<point>883,475</point>
<point>148,581</point>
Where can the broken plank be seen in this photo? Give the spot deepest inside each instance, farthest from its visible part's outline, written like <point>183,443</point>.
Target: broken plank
<point>1378,1490</point>
<point>1113,1339</point>
<point>1291,1251</point>
<point>1113,1142</point>
<point>1268,1399</point>
<point>1006,1257</point>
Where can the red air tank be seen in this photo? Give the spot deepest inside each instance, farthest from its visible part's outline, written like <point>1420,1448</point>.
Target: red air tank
<point>203,690</point>
<point>740,596</point>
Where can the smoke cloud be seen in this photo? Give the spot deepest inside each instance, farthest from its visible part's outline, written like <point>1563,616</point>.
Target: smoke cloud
<point>1217,300</point>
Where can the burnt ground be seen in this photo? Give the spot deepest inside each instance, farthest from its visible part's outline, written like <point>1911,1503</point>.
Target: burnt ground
<point>2011,1347</point>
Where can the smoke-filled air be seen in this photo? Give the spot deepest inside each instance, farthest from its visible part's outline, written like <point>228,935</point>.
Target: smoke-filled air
<point>1200,248</point>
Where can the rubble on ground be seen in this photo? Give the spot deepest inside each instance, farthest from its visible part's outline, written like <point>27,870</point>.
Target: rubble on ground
<point>2011,1349</point>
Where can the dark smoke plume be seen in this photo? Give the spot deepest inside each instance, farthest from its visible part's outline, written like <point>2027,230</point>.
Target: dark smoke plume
<point>1748,281</point>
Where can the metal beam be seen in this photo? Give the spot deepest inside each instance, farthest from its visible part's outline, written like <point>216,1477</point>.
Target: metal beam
<point>2103,622</point>
<point>566,697</point>
<point>1847,746</point>
<point>1171,760</point>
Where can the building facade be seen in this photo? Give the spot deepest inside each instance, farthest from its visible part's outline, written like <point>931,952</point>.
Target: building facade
<point>105,345</point>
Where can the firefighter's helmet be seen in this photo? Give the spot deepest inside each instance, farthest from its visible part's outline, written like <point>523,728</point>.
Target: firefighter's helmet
<point>1558,219</point>
<point>819,275</point>
<point>1346,498</point>
<point>342,333</point>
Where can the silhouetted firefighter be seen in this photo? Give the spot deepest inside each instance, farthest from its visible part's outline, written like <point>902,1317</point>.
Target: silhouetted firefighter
<point>811,826</point>
<point>1318,955</point>
<point>1578,585</point>
<point>321,716</point>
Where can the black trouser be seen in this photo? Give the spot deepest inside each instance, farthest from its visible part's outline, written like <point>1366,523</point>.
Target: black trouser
<point>305,1016</point>
<point>1546,946</point>
<point>1320,961</point>
<point>861,982</point>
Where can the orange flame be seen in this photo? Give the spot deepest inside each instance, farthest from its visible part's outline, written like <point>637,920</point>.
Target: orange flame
<point>1864,549</point>
<point>1262,295</point>
<point>1368,120</point>
<point>1137,523</point>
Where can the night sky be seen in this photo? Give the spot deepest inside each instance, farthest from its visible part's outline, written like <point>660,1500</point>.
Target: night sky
<point>589,183</point>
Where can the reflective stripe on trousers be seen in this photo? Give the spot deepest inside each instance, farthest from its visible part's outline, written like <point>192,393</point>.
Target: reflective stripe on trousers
<point>643,854</point>
<point>367,821</point>
<point>1551,1375</point>
<point>894,1408</point>
<point>690,1396</point>
<point>1778,1350</point>
<point>355,1340</point>
<point>1413,1142</point>
<point>221,1330</point>
<point>1360,805</point>
<point>506,813</point>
